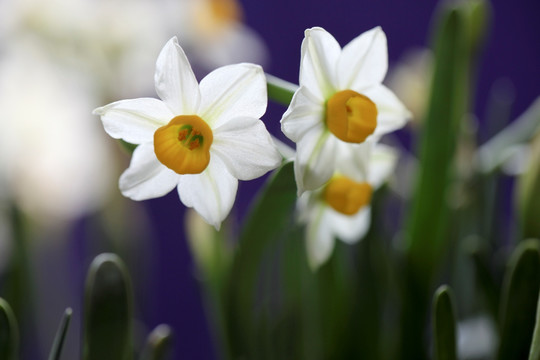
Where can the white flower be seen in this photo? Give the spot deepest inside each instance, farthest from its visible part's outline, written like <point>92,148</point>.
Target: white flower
<point>410,80</point>
<point>213,34</point>
<point>341,209</point>
<point>340,103</point>
<point>201,138</point>
<point>54,161</point>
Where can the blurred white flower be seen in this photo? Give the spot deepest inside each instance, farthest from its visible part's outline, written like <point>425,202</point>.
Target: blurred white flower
<point>340,104</point>
<point>410,80</point>
<point>200,138</point>
<point>212,34</point>
<point>53,158</point>
<point>341,208</point>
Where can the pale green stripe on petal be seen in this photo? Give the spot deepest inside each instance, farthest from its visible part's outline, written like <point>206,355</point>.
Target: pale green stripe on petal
<point>134,120</point>
<point>315,155</point>
<point>233,91</point>
<point>364,61</point>
<point>319,57</point>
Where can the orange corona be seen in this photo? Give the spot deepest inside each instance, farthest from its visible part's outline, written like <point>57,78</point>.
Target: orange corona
<point>346,195</point>
<point>183,145</point>
<point>351,116</point>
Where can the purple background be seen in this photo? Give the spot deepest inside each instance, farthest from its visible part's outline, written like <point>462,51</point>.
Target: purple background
<point>512,51</point>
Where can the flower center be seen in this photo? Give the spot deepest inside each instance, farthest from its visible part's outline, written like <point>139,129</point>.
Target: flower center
<point>351,116</point>
<point>183,145</point>
<point>212,16</point>
<point>347,196</point>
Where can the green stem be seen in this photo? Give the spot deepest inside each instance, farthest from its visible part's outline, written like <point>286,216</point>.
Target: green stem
<point>279,90</point>
<point>56,350</point>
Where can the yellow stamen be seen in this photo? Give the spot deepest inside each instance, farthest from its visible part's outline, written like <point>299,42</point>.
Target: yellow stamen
<point>347,196</point>
<point>183,145</point>
<point>351,116</point>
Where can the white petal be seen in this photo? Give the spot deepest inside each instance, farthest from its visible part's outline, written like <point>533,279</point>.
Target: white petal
<point>319,237</point>
<point>353,159</point>
<point>315,159</point>
<point>392,114</point>
<point>135,120</point>
<point>146,177</point>
<point>211,193</point>
<point>286,152</point>
<point>246,148</point>
<point>319,58</point>
<point>233,91</point>
<point>304,112</point>
<point>364,61</point>
<point>350,229</point>
<point>175,82</point>
<point>381,165</point>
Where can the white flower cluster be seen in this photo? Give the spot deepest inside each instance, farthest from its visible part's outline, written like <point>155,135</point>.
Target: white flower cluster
<point>336,117</point>
<point>203,137</point>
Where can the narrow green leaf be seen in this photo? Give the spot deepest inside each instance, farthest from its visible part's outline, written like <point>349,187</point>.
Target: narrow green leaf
<point>426,231</point>
<point>534,354</point>
<point>279,90</point>
<point>479,14</point>
<point>58,343</point>
<point>270,218</point>
<point>108,310</point>
<point>485,279</point>
<point>518,302</point>
<point>157,343</point>
<point>444,324</point>
<point>9,332</point>
<point>529,193</point>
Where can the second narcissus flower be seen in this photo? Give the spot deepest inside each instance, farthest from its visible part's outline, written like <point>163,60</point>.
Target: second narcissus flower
<point>341,208</point>
<point>340,104</point>
<point>201,138</point>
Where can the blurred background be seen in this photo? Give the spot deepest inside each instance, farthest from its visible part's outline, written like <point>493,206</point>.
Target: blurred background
<point>59,201</point>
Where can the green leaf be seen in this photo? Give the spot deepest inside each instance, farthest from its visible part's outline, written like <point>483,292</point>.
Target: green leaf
<point>270,218</point>
<point>444,324</point>
<point>58,343</point>
<point>108,311</point>
<point>534,354</point>
<point>426,229</point>
<point>280,90</point>
<point>157,343</point>
<point>487,284</point>
<point>479,14</point>
<point>518,302</point>
<point>9,333</point>
<point>427,225</point>
<point>529,193</point>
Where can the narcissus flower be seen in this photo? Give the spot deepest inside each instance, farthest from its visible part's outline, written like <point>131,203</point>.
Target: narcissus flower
<point>341,208</point>
<point>340,104</point>
<point>201,138</point>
